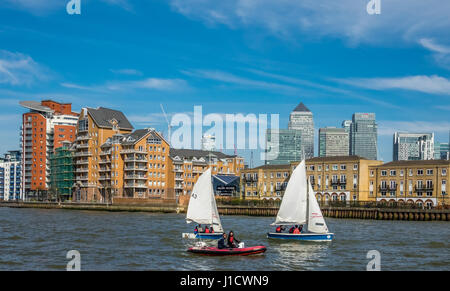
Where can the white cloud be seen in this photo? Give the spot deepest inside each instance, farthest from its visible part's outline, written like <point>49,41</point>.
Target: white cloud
<point>427,84</point>
<point>225,77</point>
<point>348,19</point>
<point>127,72</point>
<point>36,7</point>
<point>441,53</point>
<point>388,128</point>
<point>145,84</point>
<point>19,69</point>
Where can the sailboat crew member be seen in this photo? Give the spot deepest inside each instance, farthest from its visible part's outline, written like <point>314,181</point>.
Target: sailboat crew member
<point>232,241</point>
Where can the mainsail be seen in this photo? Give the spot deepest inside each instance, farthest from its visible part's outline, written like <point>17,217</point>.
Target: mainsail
<point>202,207</point>
<point>293,206</point>
<point>316,223</point>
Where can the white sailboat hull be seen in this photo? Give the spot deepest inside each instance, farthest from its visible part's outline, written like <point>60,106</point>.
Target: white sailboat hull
<point>316,237</point>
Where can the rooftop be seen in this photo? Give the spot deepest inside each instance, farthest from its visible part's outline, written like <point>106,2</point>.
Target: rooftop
<point>189,153</point>
<point>301,108</point>
<point>416,163</point>
<point>103,117</point>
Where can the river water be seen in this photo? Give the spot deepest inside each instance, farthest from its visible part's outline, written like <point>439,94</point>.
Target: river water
<point>35,239</point>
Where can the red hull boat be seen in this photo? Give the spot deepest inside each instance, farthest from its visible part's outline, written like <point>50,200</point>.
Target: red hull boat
<point>212,251</point>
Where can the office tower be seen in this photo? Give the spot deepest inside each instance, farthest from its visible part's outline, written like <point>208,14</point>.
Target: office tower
<point>10,176</point>
<point>44,128</point>
<point>413,146</point>
<point>95,127</point>
<point>363,136</point>
<point>333,142</point>
<point>302,119</point>
<point>208,142</point>
<point>441,151</point>
<point>283,146</point>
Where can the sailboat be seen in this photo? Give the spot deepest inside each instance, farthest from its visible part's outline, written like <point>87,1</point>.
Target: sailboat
<point>202,208</point>
<point>299,207</point>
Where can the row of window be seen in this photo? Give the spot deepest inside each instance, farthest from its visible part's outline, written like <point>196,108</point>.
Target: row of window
<point>419,172</point>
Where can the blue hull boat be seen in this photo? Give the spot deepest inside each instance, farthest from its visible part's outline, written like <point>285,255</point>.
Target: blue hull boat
<point>317,237</point>
<point>209,235</point>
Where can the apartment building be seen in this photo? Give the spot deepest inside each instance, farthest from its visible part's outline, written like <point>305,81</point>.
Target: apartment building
<point>62,172</point>
<point>342,178</point>
<point>44,128</point>
<point>95,126</point>
<point>187,165</point>
<point>10,175</point>
<point>425,183</point>
<point>135,165</point>
<point>265,182</point>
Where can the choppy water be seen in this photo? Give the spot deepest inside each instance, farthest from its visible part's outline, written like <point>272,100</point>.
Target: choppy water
<point>34,239</point>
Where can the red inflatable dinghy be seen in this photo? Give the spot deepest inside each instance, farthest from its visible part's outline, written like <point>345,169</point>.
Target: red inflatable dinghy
<point>212,251</point>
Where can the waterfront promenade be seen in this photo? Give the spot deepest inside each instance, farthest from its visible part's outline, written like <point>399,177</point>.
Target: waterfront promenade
<point>349,212</point>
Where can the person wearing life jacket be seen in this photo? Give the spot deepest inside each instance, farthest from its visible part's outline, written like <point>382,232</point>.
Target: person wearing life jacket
<point>211,229</point>
<point>196,230</point>
<point>291,230</point>
<point>296,230</point>
<point>300,228</point>
<point>232,241</point>
<point>279,229</point>
<point>206,229</point>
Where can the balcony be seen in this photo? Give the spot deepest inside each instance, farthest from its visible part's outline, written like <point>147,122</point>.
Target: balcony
<point>104,169</point>
<point>136,160</point>
<point>388,188</point>
<point>135,177</point>
<point>82,170</point>
<point>83,137</point>
<point>135,168</point>
<point>420,188</point>
<point>83,154</point>
<point>338,182</point>
<point>178,170</point>
<point>82,162</point>
<point>133,151</point>
<point>83,146</point>
<point>135,185</point>
<point>104,178</point>
<point>104,162</point>
<point>105,153</point>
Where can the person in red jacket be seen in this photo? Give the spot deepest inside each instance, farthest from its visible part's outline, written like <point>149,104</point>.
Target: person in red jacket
<point>232,241</point>
<point>279,229</point>
<point>206,229</point>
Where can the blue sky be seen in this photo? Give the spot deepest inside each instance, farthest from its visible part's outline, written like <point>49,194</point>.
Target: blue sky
<point>235,56</point>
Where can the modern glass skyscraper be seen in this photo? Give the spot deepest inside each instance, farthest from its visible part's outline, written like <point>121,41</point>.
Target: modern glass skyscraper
<point>302,119</point>
<point>413,146</point>
<point>441,151</point>
<point>333,142</point>
<point>364,135</point>
<point>283,146</point>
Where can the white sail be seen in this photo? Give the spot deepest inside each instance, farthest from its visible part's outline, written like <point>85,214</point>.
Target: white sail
<point>202,207</point>
<point>316,223</point>
<point>293,205</point>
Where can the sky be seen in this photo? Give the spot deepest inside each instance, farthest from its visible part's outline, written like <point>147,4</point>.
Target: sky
<point>234,56</point>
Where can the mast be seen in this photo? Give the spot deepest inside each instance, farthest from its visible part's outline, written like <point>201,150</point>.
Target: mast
<point>307,201</point>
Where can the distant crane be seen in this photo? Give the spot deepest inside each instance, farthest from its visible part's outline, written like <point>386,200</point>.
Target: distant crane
<point>168,123</point>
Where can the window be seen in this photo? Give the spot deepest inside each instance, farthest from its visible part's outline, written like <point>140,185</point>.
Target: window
<point>335,167</point>
<point>444,172</point>
<point>384,173</point>
<point>355,167</point>
<point>429,171</point>
<point>393,173</point>
<point>420,172</point>
<point>343,167</point>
